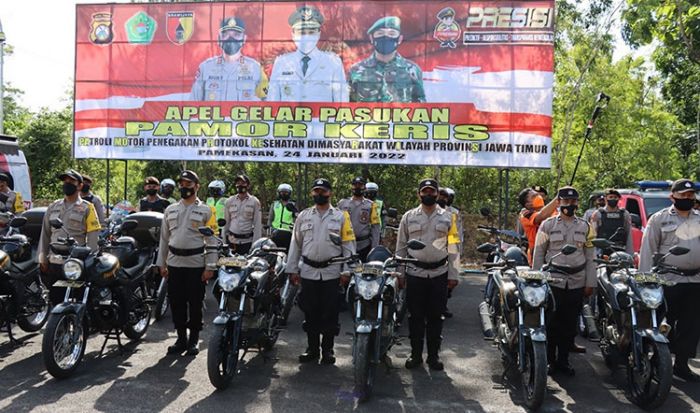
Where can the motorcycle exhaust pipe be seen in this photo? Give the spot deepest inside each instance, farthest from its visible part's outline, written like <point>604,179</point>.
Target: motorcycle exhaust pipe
<point>589,321</point>
<point>486,324</point>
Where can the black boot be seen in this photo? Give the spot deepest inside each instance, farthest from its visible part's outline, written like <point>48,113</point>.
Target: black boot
<point>416,358</point>
<point>433,358</point>
<point>181,342</point>
<point>312,351</point>
<point>193,343</point>
<point>328,356</point>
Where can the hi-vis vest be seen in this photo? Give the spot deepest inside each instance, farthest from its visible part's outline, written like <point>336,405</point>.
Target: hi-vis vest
<point>284,218</point>
<point>218,205</point>
<point>380,204</point>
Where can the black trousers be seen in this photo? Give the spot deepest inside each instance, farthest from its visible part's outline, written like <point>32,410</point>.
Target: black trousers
<point>54,273</point>
<point>683,316</point>
<point>562,323</point>
<point>242,249</point>
<point>426,299</point>
<point>319,302</point>
<point>186,294</point>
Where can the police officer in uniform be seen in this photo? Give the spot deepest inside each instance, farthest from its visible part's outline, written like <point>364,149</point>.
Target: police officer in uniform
<point>309,265</point>
<point>428,280</point>
<point>243,217</point>
<point>307,74</point>
<point>79,220</point>
<point>152,201</point>
<point>371,193</point>
<point>281,217</point>
<point>364,218</point>
<point>599,203</point>
<point>613,223</point>
<point>182,259</point>
<point>446,198</point>
<point>216,199</point>
<point>87,194</point>
<point>386,76</point>
<point>10,200</point>
<point>167,187</point>
<point>679,225</point>
<point>574,275</point>
<point>230,76</point>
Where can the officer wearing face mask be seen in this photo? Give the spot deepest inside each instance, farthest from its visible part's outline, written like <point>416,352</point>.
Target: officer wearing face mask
<point>679,225</point>
<point>79,220</point>
<point>307,74</point>
<point>184,261</point>
<point>87,194</point>
<point>386,76</point>
<point>281,217</point>
<point>574,276</point>
<point>243,216</point>
<point>428,280</point>
<point>364,218</point>
<point>371,193</point>
<point>309,264</point>
<point>216,199</point>
<point>532,215</point>
<point>9,200</point>
<point>152,201</point>
<point>167,187</point>
<point>599,203</point>
<point>613,223</point>
<point>230,76</point>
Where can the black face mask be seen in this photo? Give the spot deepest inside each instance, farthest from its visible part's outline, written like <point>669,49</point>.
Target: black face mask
<point>85,189</point>
<point>241,189</point>
<point>284,196</point>
<point>612,203</point>
<point>358,191</point>
<point>69,189</point>
<point>167,192</point>
<point>371,195</point>
<point>151,192</point>
<point>385,44</point>
<point>568,210</point>
<point>428,200</point>
<point>215,192</point>
<point>186,192</point>
<point>683,204</point>
<point>321,199</point>
<point>231,47</point>
<point>442,203</point>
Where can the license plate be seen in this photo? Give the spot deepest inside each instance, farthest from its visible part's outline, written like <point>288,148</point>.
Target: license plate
<point>371,271</point>
<point>534,275</point>
<point>68,284</point>
<point>647,278</point>
<point>231,262</point>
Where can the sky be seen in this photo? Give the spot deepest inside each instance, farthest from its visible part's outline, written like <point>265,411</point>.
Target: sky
<point>42,33</point>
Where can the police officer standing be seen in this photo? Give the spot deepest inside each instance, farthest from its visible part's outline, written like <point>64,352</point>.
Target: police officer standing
<point>182,259</point>
<point>243,217</point>
<point>216,199</point>
<point>364,217</point>
<point>574,275</point>
<point>152,201</point>
<point>309,263</point>
<point>79,220</point>
<point>386,76</point>
<point>281,217</point>
<point>613,223</point>
<point>371,193</point>
<point>679,225</point>
<point>167,187</point>
<point>428,280</point>
<point>87,194</point>
<point>10,200</point>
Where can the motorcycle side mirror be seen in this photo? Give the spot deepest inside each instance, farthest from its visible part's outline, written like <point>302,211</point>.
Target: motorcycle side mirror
<point>601,243</point>
<point>414,244</point>
<point>677,250</point>
<point>486,248</point>
<point>392,213</point>
<point>335,239</point>
<point>17,222</point>
<point>485,212</point>
<point>56,223</point>
<point>221,222</point>
<point>128,225</point>
<point>568,249</point>
<point>206,231</point>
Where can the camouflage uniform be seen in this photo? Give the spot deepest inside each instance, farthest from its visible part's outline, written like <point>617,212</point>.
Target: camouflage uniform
<point>399,80</point>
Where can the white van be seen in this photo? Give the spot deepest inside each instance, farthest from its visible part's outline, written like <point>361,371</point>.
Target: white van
<point>12,160</point>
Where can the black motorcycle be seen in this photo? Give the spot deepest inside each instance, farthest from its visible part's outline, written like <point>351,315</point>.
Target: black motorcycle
<point>100,297</point>
<point>23,297</point>
<point>627,320</point>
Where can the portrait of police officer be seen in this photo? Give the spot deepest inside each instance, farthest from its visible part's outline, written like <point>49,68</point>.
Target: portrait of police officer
<point>428,280</point>
<point>309,265</point>
<point>678,225</point>
<point>307,74</point>
<point>183,260</point>
<point>386,76</point>
<point>364,217</point>
<point>574,275</point>
<point>230,76</point>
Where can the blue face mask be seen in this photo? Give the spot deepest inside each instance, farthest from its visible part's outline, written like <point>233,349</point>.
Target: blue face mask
<point>385,44</point>
<point>231,47</point>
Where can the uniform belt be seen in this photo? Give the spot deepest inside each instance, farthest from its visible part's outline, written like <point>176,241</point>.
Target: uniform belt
<point>431,265</point>
<point>363,238</point>
<point>186,252</point>
<point>241,236</point>
<point>567,270</point>
<point>316,264</point>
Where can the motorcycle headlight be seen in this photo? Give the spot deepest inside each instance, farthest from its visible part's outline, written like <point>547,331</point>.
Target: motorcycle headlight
<point>228,281</point>
<point>367,289</point>
<point>73,269</point>
<point>534,296</point>
<point>652,297</point>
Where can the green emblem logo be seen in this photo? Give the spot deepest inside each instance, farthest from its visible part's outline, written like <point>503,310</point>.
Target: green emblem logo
<point>140,28</point>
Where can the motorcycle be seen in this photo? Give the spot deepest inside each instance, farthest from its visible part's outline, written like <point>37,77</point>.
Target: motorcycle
<point>23,296</point>
<point>401,306</point>
<point>627,319</point>
<point>249,306</point>
<point>100,297</point>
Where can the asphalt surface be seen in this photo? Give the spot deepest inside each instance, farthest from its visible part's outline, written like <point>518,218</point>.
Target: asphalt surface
<point>144,379</point>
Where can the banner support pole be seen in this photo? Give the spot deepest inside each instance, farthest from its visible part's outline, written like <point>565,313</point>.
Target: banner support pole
<point>126,174</point>
<point>109,177</point>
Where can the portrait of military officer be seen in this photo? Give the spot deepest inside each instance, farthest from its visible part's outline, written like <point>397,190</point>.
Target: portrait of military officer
<point>307,74</point>
<point>230,76</point>
<point>386,76</point>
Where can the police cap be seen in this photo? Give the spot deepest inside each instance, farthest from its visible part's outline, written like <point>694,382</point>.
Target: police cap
<point>73,174</point>
<point>388,22</point>
<point>428,183</point>
<point>612,191</point>
<point>567,192</point>
<point>683,185</point>
<point>446,12</point>
<point>323,184</point>
<point>358,180</point>
<point>540,188</point>
<point>151,180</point>
<point>232,23</point>
<point>306,17</point>
<point>188,175</point>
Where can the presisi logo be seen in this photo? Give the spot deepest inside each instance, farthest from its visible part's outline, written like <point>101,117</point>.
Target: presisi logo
<point>511,17</point>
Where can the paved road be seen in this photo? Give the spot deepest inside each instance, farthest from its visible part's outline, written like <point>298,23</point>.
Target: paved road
<point>146,380</point>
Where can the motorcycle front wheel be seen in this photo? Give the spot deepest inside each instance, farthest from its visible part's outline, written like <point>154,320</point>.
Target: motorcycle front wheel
<point>222,355</point>
<point>363,368</point>
<point>63,344</point>
<point>534,375</point>
<point>34,322</point>
<point>650,384</point>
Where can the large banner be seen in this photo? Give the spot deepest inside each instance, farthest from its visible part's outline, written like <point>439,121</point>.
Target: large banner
<point>370,82</point>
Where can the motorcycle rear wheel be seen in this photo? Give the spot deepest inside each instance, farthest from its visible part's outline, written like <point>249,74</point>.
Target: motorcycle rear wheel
<point>36,321</point>
<point>137,330</point>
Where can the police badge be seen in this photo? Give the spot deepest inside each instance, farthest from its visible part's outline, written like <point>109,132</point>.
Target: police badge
<point>140,28</point>
<point>447,31</point>
<point>101,28</point>
<point>180,26</point>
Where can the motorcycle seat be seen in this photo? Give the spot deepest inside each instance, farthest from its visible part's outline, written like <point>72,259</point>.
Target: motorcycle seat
<point>23,267</point>
<point>126,241</point>
<point>134,271</point>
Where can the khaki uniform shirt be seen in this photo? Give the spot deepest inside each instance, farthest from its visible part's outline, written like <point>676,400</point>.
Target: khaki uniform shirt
<point>311,239</point>
<point>243,216</point>
<point>79,220</point>
<point>13,203</point>
<point>439,232</point>
<point>364,219</point>
<point>666,229</point>
<point>99,208</point>
<point>180,230</point>
<point>553,235</point>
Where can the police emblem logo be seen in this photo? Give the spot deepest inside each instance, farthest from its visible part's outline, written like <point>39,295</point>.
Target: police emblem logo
<point>570,192</point>
<point>688,185</point>
<point>364,217</point>
<point>307,14</point>
<point>101,28</point>
<point>319,182</point>
<point>447,31</point>
<point>428,182</point>
<point>140,28</point>
<point>180,26</point>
